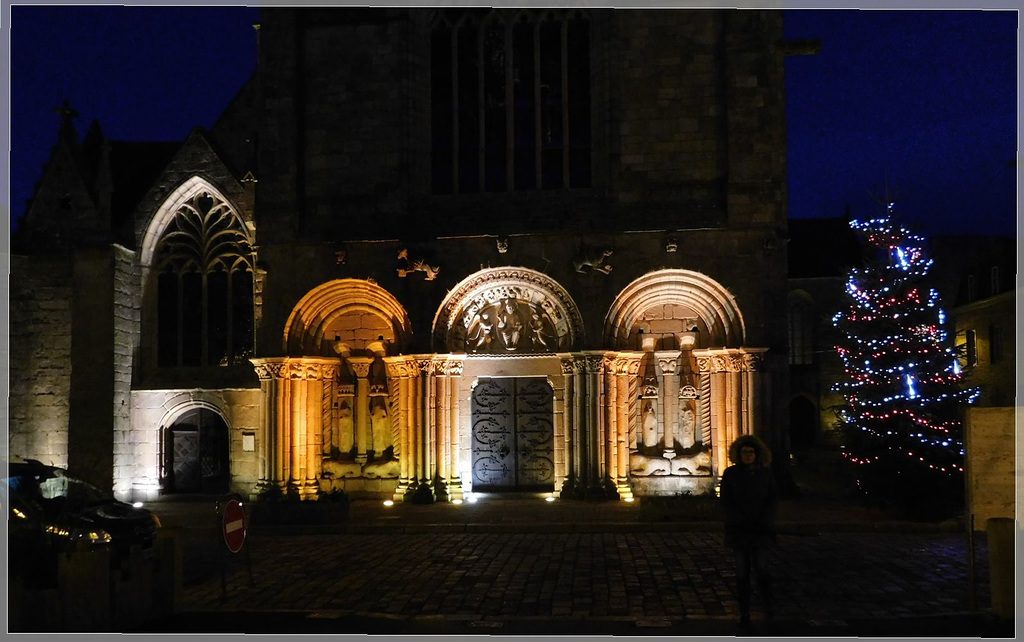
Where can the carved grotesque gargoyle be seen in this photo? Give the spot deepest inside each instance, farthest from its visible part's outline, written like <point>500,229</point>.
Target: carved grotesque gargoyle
<point>418,265</point>
<point>593,260</point>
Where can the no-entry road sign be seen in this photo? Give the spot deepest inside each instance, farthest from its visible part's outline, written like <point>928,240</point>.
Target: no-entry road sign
<point>234,525</point>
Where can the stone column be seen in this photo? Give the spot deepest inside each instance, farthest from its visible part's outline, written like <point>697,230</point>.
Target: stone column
<point>268,449</point>
<point>609,411</point>
<point>668,367</point>
<point>440,431</point>
<point>627,369</point>
<point>570,446</point>
<point>400,377</point>
<point>361,407</point>
<point>421,435</point>
<point>454,422</point>
<point>594,472</point>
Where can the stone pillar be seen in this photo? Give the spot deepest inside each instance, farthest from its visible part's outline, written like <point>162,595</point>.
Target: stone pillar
<point>361,407</point>
<point>626,383</point>
<point>609,411</point>
<point>421,435</point>
<point>454,422</point>
<point>571,446</point>
<point>269,451</point>
<point>439,432</point>
<point>290,447</point>
<point>668,367</point>
<point>594,471</point>
<point>401,373</point>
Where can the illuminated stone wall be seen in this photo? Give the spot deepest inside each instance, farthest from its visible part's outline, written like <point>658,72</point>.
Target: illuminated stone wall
<point>40,341</point>
<point>992,478</point>
<point>138,475</point>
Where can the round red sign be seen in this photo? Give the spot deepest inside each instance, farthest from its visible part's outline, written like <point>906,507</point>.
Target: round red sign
<point>234,525</point>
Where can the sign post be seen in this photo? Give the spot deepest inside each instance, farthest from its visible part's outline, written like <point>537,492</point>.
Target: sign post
<point>231,518</point>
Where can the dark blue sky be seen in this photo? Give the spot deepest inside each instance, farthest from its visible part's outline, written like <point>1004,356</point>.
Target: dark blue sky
<point>925,101</point>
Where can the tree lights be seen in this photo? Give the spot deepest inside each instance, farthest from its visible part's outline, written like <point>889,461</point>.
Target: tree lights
<point>901,419</point>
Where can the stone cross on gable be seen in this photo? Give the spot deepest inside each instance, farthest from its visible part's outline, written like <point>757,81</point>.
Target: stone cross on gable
<point>66,113</point>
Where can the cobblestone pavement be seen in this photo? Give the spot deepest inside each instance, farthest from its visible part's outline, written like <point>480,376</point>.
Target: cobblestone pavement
<point>654,576</point>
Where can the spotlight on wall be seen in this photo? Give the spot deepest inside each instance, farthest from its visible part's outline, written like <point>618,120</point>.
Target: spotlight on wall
<point>456,501</point>
<point>471,498</point>
<point>388,502</point>
<point>627,499</point>
<point>549,498</point>
<point>137,504</point>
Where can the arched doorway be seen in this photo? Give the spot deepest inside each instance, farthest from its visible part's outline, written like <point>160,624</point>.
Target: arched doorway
<point>196,453</point>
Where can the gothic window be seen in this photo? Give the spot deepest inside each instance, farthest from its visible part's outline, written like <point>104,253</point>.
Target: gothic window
<point>204,284</point>
<point>800,322</point>
<point>510,101</point>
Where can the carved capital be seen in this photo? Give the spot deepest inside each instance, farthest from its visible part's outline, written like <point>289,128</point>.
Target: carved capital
<point>668,365</point>
<point>455,367</point>
<point>593,363</point>
<point>267,370</point>
<point>703,365</point>
<point>568,366</point>
<point>754,362</point>
<point>361,366</point>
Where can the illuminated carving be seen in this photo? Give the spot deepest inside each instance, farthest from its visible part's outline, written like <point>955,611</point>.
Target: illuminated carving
<point>507,310</point>
<point>417,265</point>
<point>592,260</point>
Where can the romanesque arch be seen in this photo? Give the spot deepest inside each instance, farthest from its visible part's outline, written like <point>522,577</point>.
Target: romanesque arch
<point>507,310</point>
<point>356,311</point>
<point>696,297</point>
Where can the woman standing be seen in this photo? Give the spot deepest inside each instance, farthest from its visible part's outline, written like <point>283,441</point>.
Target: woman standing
<point>749,498</point>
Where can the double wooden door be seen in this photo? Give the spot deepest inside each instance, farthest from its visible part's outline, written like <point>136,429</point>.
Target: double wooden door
<point>513,435</point>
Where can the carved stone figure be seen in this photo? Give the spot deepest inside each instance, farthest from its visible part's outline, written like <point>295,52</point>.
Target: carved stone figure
<point>380,426</point>
<point>418,265</point>
<point>588,260</point>
<point>696,464</point>
<point>341,469</point>
<point>650,426</point>
<point>381,468</point>
<point>538,333</point>
<point>509,325</point>
<point>502,244</point>
<point>480,333</point>
<point>644,466</point>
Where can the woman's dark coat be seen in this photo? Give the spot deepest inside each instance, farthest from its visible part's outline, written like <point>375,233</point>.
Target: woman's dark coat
<point>749,497</point>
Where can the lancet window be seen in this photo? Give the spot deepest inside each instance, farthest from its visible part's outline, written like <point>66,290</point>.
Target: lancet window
<point>510,100</point>
<point>204,266</point>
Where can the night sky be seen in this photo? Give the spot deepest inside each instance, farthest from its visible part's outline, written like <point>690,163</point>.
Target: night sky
<point>922,101</point>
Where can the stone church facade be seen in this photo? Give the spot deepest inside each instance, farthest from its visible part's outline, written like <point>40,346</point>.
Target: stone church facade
<point>424,253</point>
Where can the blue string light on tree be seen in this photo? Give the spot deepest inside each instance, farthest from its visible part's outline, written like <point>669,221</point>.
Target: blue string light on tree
<point>902,380</point>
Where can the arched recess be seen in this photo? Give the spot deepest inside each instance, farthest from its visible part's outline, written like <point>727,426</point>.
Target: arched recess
<point>357,311</point>
<point>507,310</point>
<point>195,441</point>
<point>696,298</point>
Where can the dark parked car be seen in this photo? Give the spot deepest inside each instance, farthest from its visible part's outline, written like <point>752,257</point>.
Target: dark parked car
<point>51,511</point>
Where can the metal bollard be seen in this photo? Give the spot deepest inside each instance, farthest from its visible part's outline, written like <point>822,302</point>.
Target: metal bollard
<point>1001,536</point>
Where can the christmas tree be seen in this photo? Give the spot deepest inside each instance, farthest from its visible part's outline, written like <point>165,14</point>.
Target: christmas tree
<point>901,423</point>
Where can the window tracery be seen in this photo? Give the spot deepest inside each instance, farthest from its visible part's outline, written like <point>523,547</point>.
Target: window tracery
<point>204,266</point>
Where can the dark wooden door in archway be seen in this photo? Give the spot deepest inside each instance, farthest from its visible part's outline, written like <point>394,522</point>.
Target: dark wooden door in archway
<point>513,435</point>
<point>196,459</point>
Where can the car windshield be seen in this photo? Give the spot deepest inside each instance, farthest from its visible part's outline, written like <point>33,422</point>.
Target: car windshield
<point>55,487</point>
